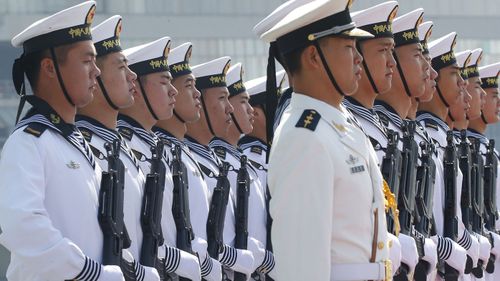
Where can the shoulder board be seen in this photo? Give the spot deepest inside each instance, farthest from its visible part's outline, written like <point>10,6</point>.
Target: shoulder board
<point>86,133</point>
<point>221,152</point>
<point>309,119</point>
<point>383,119</point>
<point>35,129</point>
<point>126,133</point>
<point>256,149</point>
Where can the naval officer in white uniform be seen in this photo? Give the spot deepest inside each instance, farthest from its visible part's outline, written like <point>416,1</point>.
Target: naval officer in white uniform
<point>323,175</point>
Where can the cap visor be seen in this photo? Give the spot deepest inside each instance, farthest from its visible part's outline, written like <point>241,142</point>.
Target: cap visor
<point>357,33</point>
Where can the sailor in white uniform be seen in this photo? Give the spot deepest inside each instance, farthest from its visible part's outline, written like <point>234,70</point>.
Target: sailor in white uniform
<point>214,122</point>
<point>50,180</point>
<point>254,145</point>
<point>154,100</point>
<point>172,132</point>
<point>226,148</point>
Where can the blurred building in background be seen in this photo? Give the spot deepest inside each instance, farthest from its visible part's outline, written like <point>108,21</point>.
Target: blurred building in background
<point>224,27</point>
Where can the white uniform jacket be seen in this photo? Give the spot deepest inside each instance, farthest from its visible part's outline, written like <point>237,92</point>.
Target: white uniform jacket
<point>49,200</point>
<point>325,185</point>
<point>98,135</point>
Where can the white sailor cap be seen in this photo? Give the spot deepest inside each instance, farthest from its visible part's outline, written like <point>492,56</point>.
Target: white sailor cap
<point>277,15</point>
<point>424,34</point>
<point>234,80</point>
<point>311,21</point>
<point>106,36</point>
<point>405,27</point>
<point>256,88</point>
<point>463,58</point>
<point>150,57</point>
<point>377,19</point>
<point>489,75</point>
<point>179,58</point>
<point>472,66</point>
<point>441,51</point>
<point>65,27</point>
<point>212,74</point>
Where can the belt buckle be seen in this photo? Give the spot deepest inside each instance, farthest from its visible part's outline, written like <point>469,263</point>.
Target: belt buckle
<point>388,270</point>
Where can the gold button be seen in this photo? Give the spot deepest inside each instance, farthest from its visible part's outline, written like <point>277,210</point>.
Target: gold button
<point>390,243</point>
<point>380,245</point>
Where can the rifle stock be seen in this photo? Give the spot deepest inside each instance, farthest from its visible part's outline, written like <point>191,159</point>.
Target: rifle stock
<point>110,217</point>
<point>180,204</point>
<point>217,213</point>
<point>391,171</point>
<point>450,229</point>
<point>241,227</point>
<point>151,211</point>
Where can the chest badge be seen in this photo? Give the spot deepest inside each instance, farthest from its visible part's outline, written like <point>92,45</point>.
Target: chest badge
<point>73,165</point>
<point>352,161</point>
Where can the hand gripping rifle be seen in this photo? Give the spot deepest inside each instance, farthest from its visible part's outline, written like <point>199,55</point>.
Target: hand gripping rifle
<point>152,210</point>
<point>241,227</point>
<point>180,204</point>
<point>110,215</point>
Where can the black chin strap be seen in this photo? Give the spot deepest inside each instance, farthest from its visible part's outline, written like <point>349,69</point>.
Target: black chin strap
<point>483,118</point>
<point>59,77</point>
<point>205,111</point>
<point>147,100</point>
<point>327,69</point>
<point>451,116</point>
<point>401,74</point>
<point>179,117</point>
<point>367,70</point>
<point>236,123</point>
<point>19,83</point>
<point>440,94</point>
<point>105,94</point>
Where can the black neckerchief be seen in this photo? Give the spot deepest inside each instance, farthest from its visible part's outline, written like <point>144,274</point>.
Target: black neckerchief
<point>108,135</point>
<point>42,113</point>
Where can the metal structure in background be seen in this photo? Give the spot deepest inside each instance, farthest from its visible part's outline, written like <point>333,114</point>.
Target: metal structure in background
<point>224,27</point>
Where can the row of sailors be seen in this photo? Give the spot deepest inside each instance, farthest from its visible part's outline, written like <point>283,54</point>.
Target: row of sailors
<point>140,101</point>
<point>399,86</point>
